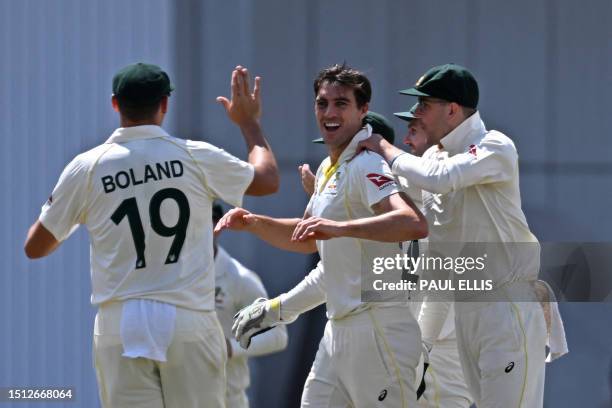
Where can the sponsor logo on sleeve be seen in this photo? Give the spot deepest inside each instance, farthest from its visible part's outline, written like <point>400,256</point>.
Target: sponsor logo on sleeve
<point>379,180</point>
<point>472,150</point>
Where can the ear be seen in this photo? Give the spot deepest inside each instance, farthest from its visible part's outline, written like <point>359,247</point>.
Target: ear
<point>455,109</point>
<point>164,104</point>
<point>364,110</point>
<point>115,103</point>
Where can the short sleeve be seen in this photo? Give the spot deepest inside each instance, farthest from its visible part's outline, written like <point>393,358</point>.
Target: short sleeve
<point>373,178</point>
<point>65,208</point>
<point>226,176</point>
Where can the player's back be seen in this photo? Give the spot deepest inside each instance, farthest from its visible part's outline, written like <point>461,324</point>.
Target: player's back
<point>148,211</point>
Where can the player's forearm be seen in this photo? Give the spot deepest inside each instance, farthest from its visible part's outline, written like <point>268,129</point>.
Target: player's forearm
<point>390,152</point>
<point>306,295</point>
<point>260,155</point>
<point>394,226</point>
<point>278,231</point>
<point>427,174</point>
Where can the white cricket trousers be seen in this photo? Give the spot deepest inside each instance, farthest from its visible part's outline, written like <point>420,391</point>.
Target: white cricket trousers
<point>192,377</point>
<point>444,383</point>
<point>366,360</point>
<point>502,347</point>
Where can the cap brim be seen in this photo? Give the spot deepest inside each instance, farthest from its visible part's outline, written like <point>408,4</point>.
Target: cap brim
<point>413,92</point>
<point>408,116</point>
<point>319,141</point>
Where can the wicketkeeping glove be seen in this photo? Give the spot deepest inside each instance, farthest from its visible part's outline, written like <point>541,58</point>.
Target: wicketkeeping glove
<point>260,316</point>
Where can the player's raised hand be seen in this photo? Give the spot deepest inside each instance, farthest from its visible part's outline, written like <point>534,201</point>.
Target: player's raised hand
<point>308,179</point>
<point>236,219</point>
<point>317,228</point>
<point>245,106</point>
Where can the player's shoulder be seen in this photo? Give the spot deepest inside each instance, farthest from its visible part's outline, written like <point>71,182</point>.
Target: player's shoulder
<point>199,146</point>
<point>497,138</point>
<point>85,160</point>
<point>498,143</point>
<point>368,161</point>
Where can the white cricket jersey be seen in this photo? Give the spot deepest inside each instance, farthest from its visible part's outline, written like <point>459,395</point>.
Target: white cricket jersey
<point>471,194</point>
<point>415,194</point>
<point>146,200</point>
<point>236,288</point>
<point>350,193</point>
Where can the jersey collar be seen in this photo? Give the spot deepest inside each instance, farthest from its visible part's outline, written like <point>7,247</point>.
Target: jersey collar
<point>350,150</point>
<point>125,134</point>
<point>461,137</point>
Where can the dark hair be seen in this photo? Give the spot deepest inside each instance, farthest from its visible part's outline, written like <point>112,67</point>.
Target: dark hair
<point>347,76</point>
<point>467,112</point>
<point>137,112</point>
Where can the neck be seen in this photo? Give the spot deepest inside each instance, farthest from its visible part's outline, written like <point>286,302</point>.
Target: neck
<point>335,152</point>
<point>131,123</point>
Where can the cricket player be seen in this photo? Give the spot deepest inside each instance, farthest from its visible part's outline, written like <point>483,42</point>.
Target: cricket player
<point>471,195</point>
<point>235,288</point>
<point>146,198</point>
<point>444,383</point>
<point>369,351</point>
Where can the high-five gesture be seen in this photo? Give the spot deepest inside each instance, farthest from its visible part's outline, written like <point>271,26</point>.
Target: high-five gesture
<point>245,106</point>
<point>244,109</point>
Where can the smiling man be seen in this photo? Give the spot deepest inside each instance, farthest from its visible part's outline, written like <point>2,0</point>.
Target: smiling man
<point>471,195</point>
<point>369,351</point>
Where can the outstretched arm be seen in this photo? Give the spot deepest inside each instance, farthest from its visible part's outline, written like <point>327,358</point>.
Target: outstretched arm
<point>244,109</point>
<point>397,219</point>
<point>275,231</point>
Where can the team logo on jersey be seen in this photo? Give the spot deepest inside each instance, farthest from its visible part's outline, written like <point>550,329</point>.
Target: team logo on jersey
<point>509,367</point>
<point>382,395</point>
<point>472,150</point>
<point>379,180</point>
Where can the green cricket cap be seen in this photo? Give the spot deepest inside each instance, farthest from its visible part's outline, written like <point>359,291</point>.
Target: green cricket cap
<point>379,124</point>
<point>141,84</point>
<point>407,116</point>
<point>450,82</point>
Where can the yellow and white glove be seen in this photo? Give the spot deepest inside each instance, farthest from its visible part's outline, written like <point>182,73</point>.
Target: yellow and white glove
<point>260,316</point>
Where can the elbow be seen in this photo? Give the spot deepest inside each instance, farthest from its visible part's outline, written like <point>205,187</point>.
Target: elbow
<point>265,183</point>
<point>272,183</point>
<point>440,184</point>
<point>422,230</point>
<point>417,228</point>
<point>31,251</point>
